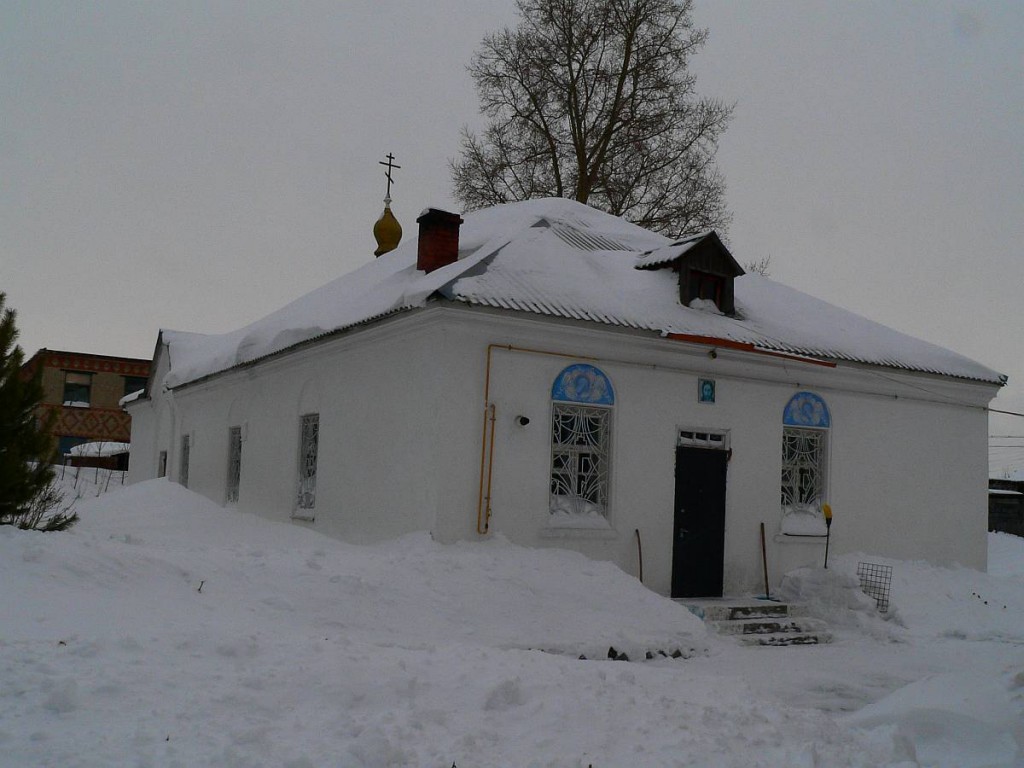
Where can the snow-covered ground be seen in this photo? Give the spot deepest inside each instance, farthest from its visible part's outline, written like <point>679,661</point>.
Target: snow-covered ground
<point>163,630</point>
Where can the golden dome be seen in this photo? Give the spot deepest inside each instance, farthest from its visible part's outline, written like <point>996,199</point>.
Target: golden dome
<point>387,231</point>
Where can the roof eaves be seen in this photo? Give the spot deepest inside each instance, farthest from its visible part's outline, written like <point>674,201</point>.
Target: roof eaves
<point>298,345</point>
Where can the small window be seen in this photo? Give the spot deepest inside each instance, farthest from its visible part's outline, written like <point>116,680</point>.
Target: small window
<point>161,465</point>
<point>183,467</point>
<point>704,285</point>
<point>133,384</point>
<point>234,463</point>
<point>308,446</point>
<point>77,389</point>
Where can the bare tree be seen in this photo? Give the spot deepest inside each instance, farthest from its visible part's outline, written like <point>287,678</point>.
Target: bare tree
<point>761,266</point>
<point>593,100</point>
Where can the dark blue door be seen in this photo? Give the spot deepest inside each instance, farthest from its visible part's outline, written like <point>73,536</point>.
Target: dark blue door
<point>698,551</point>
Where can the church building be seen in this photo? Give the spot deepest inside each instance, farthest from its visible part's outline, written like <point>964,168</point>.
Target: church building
<point>558,376</point>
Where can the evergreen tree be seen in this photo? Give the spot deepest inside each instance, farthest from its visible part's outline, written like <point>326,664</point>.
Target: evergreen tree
<point>28,498</point>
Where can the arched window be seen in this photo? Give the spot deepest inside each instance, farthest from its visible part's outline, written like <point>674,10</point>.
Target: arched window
<point>806,423</point>
<point>582,399</point>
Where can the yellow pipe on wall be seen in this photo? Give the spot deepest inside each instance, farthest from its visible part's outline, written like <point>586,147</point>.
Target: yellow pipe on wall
<point>483,509</point>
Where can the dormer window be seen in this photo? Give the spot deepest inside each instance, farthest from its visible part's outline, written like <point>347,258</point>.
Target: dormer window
<point>704,285</point>
<point>705,267</point>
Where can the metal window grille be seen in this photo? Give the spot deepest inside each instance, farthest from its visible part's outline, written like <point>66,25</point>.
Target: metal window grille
<point>875,582</point>
<point>183,468</point>
<point>234,462</point>
<point>803,465</point>
<point>580,439</point>
<point>307,460</point>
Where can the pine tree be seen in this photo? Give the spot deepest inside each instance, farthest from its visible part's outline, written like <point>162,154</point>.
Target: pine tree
<point>28,498</point>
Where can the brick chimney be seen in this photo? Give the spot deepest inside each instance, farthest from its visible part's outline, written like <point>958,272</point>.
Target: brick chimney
<point>439,239</point>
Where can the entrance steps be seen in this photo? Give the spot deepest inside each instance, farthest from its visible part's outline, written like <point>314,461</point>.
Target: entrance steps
<point>759,622</point>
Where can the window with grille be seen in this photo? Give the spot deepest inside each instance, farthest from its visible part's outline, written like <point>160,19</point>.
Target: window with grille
<point>803,466</point>
<point>234,463</point>
<point>805,432</point>
<point>579,458</point>
<point>581,424</point>
<point>308,442</point>
<point>183,466</point>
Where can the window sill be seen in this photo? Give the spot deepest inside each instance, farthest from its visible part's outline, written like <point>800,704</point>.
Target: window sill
<point>562,532</point>
<point>304,515</point>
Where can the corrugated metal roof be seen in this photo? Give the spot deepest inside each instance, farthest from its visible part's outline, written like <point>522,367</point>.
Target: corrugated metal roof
<point>562,259</point>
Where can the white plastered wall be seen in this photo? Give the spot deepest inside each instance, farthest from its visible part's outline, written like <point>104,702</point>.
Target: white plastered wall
<point>401,407</point>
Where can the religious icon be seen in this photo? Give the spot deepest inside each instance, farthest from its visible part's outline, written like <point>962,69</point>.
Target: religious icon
<point>706,390</point>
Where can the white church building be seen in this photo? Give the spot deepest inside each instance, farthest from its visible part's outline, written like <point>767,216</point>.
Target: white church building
<point>561,377</point>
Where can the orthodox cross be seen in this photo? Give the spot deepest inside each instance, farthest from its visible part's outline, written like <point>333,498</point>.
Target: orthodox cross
<point>390,164</point>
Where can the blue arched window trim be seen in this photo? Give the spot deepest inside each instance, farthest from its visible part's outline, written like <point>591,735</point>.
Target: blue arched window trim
<point>806,409</point>
<point>583,383</point>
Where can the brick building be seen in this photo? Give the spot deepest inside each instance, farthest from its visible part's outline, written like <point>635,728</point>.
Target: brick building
<point>84,390</point>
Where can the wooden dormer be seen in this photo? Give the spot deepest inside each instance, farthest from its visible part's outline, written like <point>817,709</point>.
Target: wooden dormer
<point>705,268</point>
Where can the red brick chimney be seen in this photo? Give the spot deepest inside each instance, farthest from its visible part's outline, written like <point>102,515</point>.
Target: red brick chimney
<point>439,239</point>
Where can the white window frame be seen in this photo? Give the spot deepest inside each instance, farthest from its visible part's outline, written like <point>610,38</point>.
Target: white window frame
<point>309,449</point>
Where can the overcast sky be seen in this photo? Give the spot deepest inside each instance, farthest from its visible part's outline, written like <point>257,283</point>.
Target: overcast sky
<point>197,165</point>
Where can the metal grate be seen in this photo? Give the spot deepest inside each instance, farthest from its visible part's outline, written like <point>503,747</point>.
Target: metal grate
<point>803,465</point>
<point>307,460</point>
<point>183,465</point>
<point>876,580</point>
<point>579,458</point>
<point>234,462</point>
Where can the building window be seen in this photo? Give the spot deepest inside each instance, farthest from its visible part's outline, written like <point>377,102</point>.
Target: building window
<point>581,419</point>
<point>183,467</point>
<point>234,463</point>
<point>308,444</point>
<point>133,384</point>
<point>161,465</point>
<point>803,467</point>
<point>77,389</point>
<point>805,432</point>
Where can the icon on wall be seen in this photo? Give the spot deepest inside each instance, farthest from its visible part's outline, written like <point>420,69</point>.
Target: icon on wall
<point>706,390</point>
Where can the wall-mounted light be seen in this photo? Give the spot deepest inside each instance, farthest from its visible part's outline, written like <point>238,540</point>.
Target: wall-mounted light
<point>713,353</point>
<point>522,421</point>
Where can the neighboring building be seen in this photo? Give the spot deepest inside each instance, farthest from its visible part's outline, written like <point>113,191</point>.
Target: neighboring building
<point>84,390</point>
<point>565,378</point>
<point>1006,503</point>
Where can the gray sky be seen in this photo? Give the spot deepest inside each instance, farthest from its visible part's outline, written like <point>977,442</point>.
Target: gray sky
<point>197,165</point>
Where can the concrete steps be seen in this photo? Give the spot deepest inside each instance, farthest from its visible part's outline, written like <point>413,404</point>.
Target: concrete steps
<point>760,622</point>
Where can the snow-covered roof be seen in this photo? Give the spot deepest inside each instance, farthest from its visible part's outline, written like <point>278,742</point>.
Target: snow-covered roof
<point>100,448</point>
<point>560,258</point>
<point>131,397</point>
